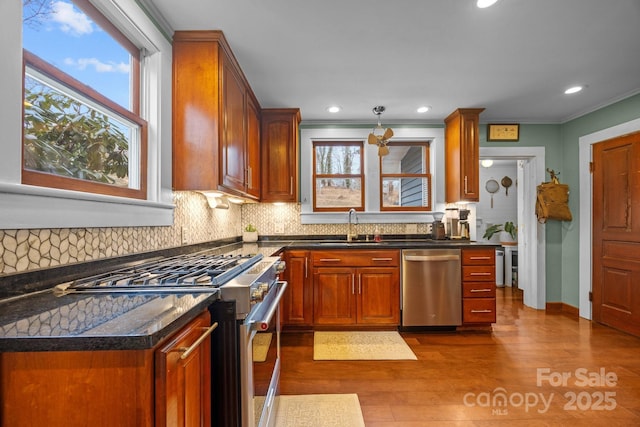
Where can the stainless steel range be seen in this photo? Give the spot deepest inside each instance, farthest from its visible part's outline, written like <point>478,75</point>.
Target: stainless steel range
<point>246,345</point>
<point>197,272</point>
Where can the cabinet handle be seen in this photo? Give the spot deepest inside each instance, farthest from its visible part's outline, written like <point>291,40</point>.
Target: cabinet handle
<point>479,257</point>
<point>480,274</point>
<point>359,284</point>
<point>249,177</point>
<point>465,184</point>
<point>353,284</point>
<point>330,260</point>
<point>482,311</point>
<point>381,259</point>
<point>480,290</point>
<point>291,185</point>
<point>195,345</point>
<point>306,267</point>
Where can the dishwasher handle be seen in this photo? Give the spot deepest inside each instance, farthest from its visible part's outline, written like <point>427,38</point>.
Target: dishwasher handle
<point>432,257</point>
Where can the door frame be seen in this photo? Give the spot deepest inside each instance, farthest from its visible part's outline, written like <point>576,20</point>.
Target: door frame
<point>585,259</point>
<point>531,233</point>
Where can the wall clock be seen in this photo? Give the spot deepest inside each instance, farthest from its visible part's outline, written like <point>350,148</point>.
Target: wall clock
<point>503,132</point>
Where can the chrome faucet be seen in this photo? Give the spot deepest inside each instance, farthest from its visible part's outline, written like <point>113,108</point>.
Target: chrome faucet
<point>352,231</point>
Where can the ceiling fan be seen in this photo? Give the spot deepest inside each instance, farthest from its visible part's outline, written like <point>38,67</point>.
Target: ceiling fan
<point>379,135</point>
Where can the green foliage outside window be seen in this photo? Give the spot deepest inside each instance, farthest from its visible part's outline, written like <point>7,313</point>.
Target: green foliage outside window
<point>66,137</point>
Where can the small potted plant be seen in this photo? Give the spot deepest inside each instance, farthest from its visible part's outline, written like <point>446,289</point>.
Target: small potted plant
<point>250,234</point>
<point>508,232</point>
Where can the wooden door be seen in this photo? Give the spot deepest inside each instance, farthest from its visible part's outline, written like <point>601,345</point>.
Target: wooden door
<point>616,233</point>
<point>183,386</point>
<point>232,150</point>
<point>297,305</point>
<point>378,291</point>
<point>334,300</point>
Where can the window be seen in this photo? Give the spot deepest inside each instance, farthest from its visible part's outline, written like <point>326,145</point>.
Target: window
<point>82,128</point>
<point>405,178</point>
<point>338,179</point>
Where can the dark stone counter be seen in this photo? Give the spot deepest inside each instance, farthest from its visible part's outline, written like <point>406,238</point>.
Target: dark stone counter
<point>32,318</point>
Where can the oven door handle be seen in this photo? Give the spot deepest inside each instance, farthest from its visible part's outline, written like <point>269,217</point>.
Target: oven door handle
<point>263,324</point>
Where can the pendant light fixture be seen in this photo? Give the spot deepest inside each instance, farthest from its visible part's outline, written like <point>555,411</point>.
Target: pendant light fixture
<point>380,136</point>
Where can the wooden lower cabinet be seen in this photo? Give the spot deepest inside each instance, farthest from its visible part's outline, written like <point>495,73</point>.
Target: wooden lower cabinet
<point>109,387</point>
<point>183,377</point>
<point>297,304</point>
<point>478,286</point>
<point>354,295</point>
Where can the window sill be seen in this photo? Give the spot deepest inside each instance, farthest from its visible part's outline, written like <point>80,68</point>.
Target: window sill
<point>365,217</point>
<point>25,207</point>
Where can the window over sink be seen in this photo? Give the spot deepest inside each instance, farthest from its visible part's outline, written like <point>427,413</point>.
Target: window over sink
<point>415,165</point>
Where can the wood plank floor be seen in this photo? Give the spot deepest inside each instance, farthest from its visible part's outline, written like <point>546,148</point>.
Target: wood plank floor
<point>460,378</point>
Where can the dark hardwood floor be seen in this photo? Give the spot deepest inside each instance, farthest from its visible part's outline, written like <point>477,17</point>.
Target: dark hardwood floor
<point>461,379</point>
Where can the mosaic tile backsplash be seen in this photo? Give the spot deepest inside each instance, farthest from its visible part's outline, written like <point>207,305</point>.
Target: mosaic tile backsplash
<point>194,221</point>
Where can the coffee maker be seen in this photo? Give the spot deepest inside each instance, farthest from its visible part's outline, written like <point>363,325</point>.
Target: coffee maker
<point>452,223</point>
<point>437,227</point>
<point>464,224</point>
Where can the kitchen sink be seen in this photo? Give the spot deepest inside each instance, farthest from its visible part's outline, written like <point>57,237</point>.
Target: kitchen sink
<point>352,243</point>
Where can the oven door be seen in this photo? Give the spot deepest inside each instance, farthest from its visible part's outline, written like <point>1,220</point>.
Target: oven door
<point>260,360</point>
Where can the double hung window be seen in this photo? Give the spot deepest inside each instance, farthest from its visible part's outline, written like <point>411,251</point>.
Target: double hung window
<point>82,128</point>
<point>338,178</point>
<point>405,178</point>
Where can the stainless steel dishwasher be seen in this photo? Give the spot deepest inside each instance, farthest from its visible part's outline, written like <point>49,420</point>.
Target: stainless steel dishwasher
<point>431,289</point>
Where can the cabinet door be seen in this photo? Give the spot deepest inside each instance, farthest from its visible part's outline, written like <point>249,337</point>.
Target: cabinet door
<point>297,306</point>
<point>334,296</point>
<point>462,154</point>
<point>232,141</point>
<point>183,386</point>
<point>280,155</point>
<point>378,291</point>
<point>253,148</point>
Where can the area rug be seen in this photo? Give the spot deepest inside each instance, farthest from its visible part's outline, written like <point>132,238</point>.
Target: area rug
<point>261,343</point>
<point>361,345</point>
<point>319,410</point>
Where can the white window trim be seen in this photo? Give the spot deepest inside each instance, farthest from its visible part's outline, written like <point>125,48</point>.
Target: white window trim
<point>24,206</point>
<point>372,213</point>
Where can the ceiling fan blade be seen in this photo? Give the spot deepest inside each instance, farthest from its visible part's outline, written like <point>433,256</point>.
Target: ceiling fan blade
<point>387,134</point>
<point>383,150</point>
<point>372,139</point>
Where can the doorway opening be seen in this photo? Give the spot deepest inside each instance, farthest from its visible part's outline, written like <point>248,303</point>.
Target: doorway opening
<point>531,234</point>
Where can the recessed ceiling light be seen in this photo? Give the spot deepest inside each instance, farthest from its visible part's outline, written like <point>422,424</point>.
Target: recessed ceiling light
<point>424,109</point>
<point>487,163</point>
<point>334,109</point>
<point>485,3</point>
<point>574,89</point>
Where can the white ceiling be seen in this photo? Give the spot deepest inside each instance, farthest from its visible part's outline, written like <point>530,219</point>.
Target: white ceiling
<point>515,59</point>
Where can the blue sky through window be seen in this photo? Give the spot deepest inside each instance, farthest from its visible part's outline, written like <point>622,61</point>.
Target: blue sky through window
<point>68,39</point>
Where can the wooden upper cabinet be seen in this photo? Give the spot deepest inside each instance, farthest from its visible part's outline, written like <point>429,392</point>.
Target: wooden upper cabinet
<point>280,154</point>
<point>215,117</point>
<point>462,156</point>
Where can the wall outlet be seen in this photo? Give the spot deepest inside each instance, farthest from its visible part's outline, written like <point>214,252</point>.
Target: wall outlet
<point>185,235</point>
<point>411,229</point>
<point>279,228</point>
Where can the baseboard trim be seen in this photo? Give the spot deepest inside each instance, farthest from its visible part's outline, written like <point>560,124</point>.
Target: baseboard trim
<point>562,308</point>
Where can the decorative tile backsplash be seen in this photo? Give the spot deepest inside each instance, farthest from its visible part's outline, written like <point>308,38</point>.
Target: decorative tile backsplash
<point>194,222</point>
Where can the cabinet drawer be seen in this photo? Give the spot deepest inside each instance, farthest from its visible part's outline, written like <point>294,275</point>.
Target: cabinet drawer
<point>478,310</point>
<point>478,290</point>
<point>479,273</point>
<point>355,258</point>
<point>478,256</point>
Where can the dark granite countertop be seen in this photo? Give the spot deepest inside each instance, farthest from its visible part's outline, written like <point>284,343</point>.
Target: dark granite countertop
<point>32,318</point>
